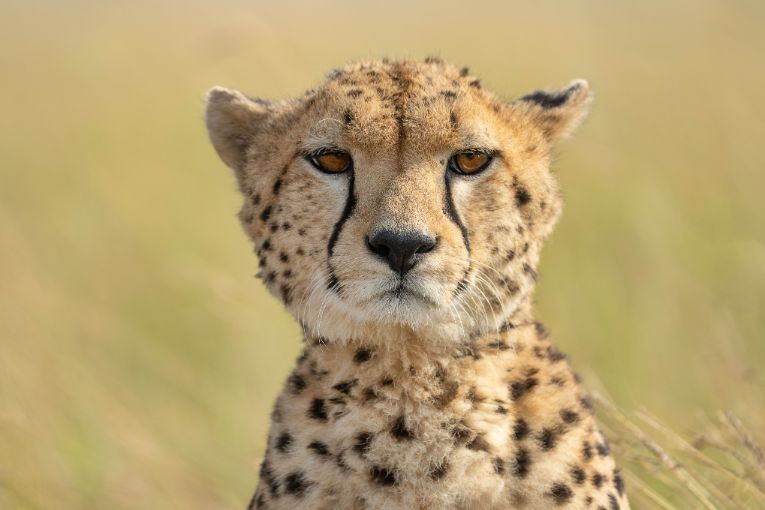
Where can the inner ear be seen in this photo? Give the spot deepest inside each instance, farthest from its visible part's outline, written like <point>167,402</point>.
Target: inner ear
<point>556,113</point>
<point>232,122</point>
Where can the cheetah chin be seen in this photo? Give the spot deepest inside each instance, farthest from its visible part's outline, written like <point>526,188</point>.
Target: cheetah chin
<point>398,210</point>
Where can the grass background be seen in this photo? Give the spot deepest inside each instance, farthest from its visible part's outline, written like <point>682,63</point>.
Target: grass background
<point>138,356</point>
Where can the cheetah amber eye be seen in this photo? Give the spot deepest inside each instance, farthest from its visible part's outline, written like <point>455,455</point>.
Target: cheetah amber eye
<point>470,162</point>
<point>335,162</point>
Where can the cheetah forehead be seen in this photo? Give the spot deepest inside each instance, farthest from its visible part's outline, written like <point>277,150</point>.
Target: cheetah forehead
<point>383,105</point>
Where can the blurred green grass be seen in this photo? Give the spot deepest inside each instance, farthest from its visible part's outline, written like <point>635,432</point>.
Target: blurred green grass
<point>138,356</point>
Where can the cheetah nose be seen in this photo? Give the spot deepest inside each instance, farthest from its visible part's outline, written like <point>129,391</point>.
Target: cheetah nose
<point>402,250</point>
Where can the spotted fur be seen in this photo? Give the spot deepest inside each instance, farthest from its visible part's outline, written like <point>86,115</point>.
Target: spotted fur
<point>435,388</point>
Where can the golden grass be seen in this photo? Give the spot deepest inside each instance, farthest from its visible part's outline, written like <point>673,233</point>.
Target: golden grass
<point>139,359</point>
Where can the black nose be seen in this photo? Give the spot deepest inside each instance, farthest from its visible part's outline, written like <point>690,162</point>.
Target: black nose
<point>401,249</point>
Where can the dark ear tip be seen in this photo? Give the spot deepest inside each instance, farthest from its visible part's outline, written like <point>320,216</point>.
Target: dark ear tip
<point>579,91</point>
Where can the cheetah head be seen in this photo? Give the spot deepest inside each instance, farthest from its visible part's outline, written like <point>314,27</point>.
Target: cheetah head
<point>397,199</point>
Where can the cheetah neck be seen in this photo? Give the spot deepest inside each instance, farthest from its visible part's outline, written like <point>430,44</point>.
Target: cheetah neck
<point>415,362</point>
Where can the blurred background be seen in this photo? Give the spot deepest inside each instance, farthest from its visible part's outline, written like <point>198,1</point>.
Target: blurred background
<point>139,357</point>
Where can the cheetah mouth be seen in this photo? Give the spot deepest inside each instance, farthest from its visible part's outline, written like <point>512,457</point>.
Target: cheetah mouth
<point>403,293</point>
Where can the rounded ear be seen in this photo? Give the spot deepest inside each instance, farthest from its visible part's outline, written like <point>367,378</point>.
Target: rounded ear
<point>232,121</point>
<point>556,113</point>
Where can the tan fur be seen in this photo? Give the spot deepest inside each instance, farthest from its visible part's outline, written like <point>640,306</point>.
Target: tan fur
<point>445,393</point>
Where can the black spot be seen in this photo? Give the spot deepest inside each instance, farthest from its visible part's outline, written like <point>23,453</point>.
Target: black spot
<point>255,199</point>
<point>548,100</point>
<point>439,470</point>
<point>283,257</point>
<point>340,461</point>
<point>296,383</point>
<point>501,410</point>
<point>387,381</point>
<point>333,284</point>
<point>530,271</point>
<point>320,448</point>
<point>286,293</point>
<point>541,330</point>
<point>554,355</point>
<point>318,409</point>
<point>498,345</point>
<point>612,503</point>
<point>399,430</point>
<point>547,439</point>
<point>383,476</point>
<point>460,433</point>
<point>569,416</point>
<point>369,394</point>
<point>469,351</point>
<point>520,388</point>
<point>345,386</point>
<point>296,484</point>
<point>354,93</point>
<point>258,501</point>
<point>520,429</point>
<point>586,402</point>
<point>266,214</point>
<point>498,465</point>
<point>362,355</point>
<point>464,71</point>
<point>603,449</point>
<point>284,442</point>
<point>449,390</point>
<point>597,480</point>
<point>475,83</point>
<point>522,196</point>
<point>347,117</point>
<point>277,185</point>
<point>478,444</point>
<point>268,476</point>
<point>266,246</point>
<point>449,94</point>
<point>363,442</point>
<point>587,450</point>
<point>578,475</point>
<point>561,493</point>
<point>618,482</point>
<point>521,463</point>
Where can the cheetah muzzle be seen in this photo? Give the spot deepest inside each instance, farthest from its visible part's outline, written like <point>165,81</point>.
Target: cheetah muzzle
<point>398,211</point>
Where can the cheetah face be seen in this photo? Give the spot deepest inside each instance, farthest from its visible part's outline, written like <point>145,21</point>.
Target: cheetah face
<point>397,197</point>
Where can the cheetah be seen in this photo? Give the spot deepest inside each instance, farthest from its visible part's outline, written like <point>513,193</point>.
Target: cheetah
<point>398,211</point>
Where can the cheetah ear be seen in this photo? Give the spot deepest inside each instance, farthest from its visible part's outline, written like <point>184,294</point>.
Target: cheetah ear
<point>556,113</point>
<point>232,120</point>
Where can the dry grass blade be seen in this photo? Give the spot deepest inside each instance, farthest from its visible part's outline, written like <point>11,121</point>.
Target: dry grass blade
<point>746,439</point>
<point>645,489</point>
<point>680,473</point>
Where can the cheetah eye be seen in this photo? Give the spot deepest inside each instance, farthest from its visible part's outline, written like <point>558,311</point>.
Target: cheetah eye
<point>331,161</point>
<point>470,162</point>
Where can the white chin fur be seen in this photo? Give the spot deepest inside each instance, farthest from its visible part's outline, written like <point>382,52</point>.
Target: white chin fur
<point>372,308</point>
